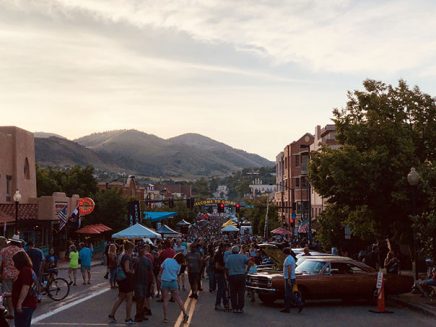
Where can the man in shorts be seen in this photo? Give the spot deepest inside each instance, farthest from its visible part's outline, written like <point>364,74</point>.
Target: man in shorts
<point>85,256</point>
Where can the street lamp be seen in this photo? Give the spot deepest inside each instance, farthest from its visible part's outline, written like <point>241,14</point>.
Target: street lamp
<point>17,199</point>
<point>413,179</point>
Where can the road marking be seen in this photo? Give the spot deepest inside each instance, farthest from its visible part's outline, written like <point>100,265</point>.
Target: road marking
<point>75,324</point>
<point>68,306</point>
<point>189,306</point>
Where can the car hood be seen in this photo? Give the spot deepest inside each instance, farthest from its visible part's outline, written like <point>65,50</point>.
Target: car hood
<point>274,253</point>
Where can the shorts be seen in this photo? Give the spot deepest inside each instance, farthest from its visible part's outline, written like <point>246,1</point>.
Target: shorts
<point>126,285</point>
<point>7,285</point>
<point>85,268</point>
<point>169,285</point>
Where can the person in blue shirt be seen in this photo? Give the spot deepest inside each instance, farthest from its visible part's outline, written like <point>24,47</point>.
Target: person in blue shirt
<point>289,265</point>
<point>235,264</point>
<point>85,256</point>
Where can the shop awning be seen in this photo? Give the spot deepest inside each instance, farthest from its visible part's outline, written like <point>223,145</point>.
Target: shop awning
<point>94,229</point>
<point>281,231</point>
<point>183,222</point>
<point>158,216</point>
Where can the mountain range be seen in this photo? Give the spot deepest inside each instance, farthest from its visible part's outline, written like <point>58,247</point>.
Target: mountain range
<point>135,152</point>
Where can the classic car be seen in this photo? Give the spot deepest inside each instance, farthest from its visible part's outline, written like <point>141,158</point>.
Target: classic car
<point>324,277</point>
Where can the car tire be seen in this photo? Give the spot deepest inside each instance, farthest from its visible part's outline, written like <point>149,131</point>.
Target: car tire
<point>267,298</point>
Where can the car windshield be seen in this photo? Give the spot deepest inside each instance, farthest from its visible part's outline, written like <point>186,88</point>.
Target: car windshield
<point>311,267</point>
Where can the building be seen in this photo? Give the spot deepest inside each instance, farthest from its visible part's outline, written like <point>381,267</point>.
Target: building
<point>292,183</point>
<point>325,136</point>
<point>257,188</point>
<point>17,164</point>
<point>129,190</point>
<point>33,218</point>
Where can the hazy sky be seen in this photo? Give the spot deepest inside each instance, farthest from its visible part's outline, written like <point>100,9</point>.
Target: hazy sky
<point>255,74</point>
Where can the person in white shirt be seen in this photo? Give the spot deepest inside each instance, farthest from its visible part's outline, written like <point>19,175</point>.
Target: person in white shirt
<point>289,276</point>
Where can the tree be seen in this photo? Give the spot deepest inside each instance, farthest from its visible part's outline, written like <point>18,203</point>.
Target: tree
<point>75,180</point>
<point>383,131</point>
<point>256,215</point>
<point>110,209</point>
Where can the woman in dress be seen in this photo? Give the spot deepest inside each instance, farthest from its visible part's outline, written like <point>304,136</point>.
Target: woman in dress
<point>74,264</point>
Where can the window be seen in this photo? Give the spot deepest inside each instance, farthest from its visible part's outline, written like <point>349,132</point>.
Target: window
<point>297,161</point>
<point>297,182</point>
<point>8,188</point>
<point>26,169</point>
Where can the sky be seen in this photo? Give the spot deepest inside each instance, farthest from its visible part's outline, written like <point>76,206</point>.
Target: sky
<point>254,74</point>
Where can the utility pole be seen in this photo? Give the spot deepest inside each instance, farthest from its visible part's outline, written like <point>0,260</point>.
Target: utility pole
<point>265,229</point>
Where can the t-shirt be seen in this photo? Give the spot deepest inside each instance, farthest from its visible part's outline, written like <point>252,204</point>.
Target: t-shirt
<point>85,256</point>
<point>166,253</point>
<point>52,261</point>
<point>143,271</point>
<point>24,278</point>
<point>226,255</point>
<point>171,269</point>
<point>289,262</point>
<point>193,260</point>
<point>74,259</point>
<point>37,257</point>
<point>235,264</point>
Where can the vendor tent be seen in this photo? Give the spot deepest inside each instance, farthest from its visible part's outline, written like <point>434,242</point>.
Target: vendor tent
<point>136,231</point>
<point>281,231</point>
<point>229,223</point>
<point>158,216</point>
<point>167,231</point>
<point>230,228</point>
<point>183,222</point>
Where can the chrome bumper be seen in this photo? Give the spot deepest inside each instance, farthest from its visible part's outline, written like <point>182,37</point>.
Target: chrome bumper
<point>261,289</point>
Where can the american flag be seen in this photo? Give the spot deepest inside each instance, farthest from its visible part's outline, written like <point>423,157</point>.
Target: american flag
<point>62,215</point>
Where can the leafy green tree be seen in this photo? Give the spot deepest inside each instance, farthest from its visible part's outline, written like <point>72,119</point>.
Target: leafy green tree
<point>256,215</point>
<point>75,180</point>
<point>110,209</point>
<point>383,131</point>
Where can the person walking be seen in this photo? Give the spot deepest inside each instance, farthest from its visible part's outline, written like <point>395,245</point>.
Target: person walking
<point>23,297</point>
<point>179,247</point>
<point>74,264</point>
<point>219,268</point>
<point>112,264</point>
<point>289,276</point>
<point>8,271</point>
<point>236,268</point>
<point>85,256</point>
<point>170,269</point>
<point>37,258</point>
<point>194,263</point>
<point>142,279</point>
<point>125,284</point>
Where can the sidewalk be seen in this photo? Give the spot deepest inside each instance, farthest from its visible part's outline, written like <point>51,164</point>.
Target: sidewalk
<point>416,302</point>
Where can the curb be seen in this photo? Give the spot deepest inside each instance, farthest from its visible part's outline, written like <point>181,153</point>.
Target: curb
<point>413,306</point>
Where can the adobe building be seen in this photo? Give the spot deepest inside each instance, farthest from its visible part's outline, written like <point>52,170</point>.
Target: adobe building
<point>34,218</point>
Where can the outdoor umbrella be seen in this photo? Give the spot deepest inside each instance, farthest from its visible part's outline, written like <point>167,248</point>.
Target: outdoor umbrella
<point>281,231</point>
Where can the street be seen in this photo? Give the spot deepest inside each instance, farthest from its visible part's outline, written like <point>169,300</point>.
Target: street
<point>90,305</point>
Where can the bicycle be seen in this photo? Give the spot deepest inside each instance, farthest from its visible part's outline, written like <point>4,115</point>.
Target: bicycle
<point>56,288</point>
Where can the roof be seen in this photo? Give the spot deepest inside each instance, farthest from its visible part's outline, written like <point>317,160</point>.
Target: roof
<point>164,229</point>
<point>26,211</point>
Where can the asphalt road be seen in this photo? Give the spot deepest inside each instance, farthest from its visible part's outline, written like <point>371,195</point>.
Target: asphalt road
<point>90,305</point>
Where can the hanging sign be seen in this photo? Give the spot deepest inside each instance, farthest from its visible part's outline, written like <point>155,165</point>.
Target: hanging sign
<point>86,206</point>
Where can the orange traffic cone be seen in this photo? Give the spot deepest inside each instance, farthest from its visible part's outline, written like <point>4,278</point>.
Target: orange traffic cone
<point>381,300</point>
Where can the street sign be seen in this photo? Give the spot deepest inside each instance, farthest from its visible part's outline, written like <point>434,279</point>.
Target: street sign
<point>379,280</point>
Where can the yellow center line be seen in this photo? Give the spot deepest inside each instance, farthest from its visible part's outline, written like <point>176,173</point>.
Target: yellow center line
<point>179,321</point>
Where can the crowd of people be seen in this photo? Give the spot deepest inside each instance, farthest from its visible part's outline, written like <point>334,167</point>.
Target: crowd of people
<point>158,270</point>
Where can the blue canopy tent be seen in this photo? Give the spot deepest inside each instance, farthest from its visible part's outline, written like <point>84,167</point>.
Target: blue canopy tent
<point>167,231</point>
<point>136,231</point>
<point>155,216</point>
<point>230,228</point>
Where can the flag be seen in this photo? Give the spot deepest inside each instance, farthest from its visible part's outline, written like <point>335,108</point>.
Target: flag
<point>62,215</point>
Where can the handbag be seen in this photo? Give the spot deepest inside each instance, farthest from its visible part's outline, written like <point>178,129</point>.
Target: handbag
<point>121,275</point>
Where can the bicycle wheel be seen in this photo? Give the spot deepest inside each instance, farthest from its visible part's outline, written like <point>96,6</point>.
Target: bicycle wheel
<point>58,289</point>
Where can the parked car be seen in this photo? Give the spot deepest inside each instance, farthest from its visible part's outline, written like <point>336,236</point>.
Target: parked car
<point>324,277</point>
